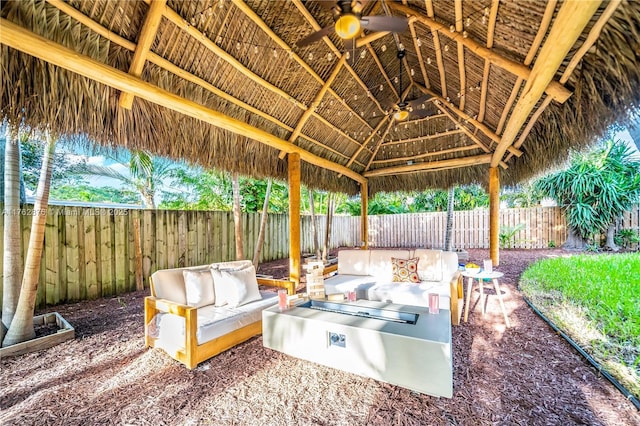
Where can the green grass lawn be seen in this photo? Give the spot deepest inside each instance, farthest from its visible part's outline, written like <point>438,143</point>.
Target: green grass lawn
<point>595,299</point>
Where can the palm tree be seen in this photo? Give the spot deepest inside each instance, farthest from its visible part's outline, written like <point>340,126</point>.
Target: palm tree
<point>21,327</point>
<point>145,173</point>
<point>12,274</point>
<point>594,191</point>
<point>448,240</point>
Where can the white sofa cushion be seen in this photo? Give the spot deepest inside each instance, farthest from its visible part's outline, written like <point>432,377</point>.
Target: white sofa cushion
<point>409,293</point>
<point>344,283</point>
<point>235,287</point>
<point>429,265</point>
<point>380,263</point>
<point>199,287</point>
<point>169,283</point>
<point>353,262</point>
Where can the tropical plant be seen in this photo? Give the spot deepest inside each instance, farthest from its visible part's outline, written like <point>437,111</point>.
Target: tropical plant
<point>524,196</point>
<point>594,191</point>
<point>627,237</point>
<point>507,235</point>
<point>145,173</point>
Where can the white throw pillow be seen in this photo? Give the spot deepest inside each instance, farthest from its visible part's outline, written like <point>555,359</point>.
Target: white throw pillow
<point>198,286</point>
<point>235,287</point>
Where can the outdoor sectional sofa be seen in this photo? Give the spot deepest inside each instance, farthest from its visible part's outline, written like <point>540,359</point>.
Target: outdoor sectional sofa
<point>195,313</point>
<point>370,274</point>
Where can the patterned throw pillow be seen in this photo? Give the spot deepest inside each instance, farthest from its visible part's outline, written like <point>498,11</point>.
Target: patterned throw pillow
<point>405,270</point>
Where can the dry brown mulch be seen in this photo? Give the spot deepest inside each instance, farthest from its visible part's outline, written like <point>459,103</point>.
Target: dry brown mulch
<point>524,375</point>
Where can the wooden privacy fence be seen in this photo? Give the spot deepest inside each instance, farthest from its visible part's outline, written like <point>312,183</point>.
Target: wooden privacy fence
<point>91,252</point>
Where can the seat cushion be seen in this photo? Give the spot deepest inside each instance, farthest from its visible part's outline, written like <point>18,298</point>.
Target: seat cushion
<point>409,293</point>
<point>344,283</point>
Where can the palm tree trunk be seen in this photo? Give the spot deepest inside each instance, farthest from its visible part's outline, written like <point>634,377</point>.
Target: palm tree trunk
<point>448,240</point>
<point>327,234</point>
<point>237,216</point>
<point>263,225</point>
<point>314,227</point>
<point>611,232</point>
<point>12,248</point>
<point>21,328</point>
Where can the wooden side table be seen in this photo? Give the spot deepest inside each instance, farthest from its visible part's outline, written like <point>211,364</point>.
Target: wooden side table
<point>493,276</point>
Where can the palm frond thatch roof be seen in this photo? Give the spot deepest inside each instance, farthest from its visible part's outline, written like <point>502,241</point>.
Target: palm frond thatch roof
<point>513,84</point>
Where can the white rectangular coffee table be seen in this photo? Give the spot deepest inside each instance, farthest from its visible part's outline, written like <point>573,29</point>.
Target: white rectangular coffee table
<point>398,344</point>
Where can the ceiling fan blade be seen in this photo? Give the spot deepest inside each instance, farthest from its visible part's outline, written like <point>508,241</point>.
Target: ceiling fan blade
<point>397,24</point>
<point>313,37</point>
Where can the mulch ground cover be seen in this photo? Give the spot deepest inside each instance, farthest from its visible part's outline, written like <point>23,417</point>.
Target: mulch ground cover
<point>522,375</point>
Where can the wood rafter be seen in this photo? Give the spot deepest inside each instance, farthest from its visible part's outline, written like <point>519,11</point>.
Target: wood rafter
<point>303,10</point>
<point>571,20</point>
<point>463,74</point>
<point>554,88</point>
<point>328,148</point>
<point>375,151</point>
<point>418,49</point>
<point>336,129</point>
<point>487,65</point>
<point>240,4</point>
<point>23,40</point>
<point>591,39</point>
<point>382,70</point>
<point>425,155</point>
<point>370,38</point>
<point>454,162</point>
<point>160,61</point>
<point>147,35</point>
<point>462,127</point>
<point>436,44</point>
<point>537,41</point>
<point>366,142</point>
<point>425,137</point>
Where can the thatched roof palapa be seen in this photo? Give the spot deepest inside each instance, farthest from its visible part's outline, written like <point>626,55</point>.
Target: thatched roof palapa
<point>222,83</point>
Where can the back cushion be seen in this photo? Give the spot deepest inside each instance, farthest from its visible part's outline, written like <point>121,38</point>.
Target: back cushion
<point>353,262</point>
<point>449,263</point>
<point>169,283</point>
<point>429,265</point>
<point>380,263</point>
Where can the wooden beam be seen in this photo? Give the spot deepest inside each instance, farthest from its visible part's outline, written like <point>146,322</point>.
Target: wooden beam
<point>569,24</point>
<point>160,61</point>
<point>366,142</point>
<point>335,129</point>
<point>147,35</point>
<point>425,137</point>
<point>494,215</point>
<point>554,88</point>
<point>25,41</point>
<point>382,70</point>
<point>454,162</point>
<point>370,38</point>
<point>487,65</point>
<point>198,36</point>
<point>364,219</point>
<point>425,155</point>
<point>316,102</point>
<point>463,115</point>
<point>462,127</point>
<point>593,36</point>
<point>293,160</point>
<point>537,41</point>
<point>375,151</point>
<point>461,71</point>
<point>418,49</point>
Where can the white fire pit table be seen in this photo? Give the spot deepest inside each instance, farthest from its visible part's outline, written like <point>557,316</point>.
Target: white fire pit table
<point>398,344</point>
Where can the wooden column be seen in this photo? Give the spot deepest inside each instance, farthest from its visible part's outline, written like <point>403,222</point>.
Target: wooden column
<point>494,214</point>
<point>364,224</point>
<point>294,217</point>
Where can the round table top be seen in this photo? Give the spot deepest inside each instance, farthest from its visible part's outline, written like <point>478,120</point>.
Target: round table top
<point>482,274</point>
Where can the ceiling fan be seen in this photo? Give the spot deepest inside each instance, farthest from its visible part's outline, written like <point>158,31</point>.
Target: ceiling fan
<point>349,23</point>
<point>416,108</point>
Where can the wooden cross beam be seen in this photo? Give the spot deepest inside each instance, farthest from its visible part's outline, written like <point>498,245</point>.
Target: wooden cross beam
<point>147,35</point>
<point>455,162</point>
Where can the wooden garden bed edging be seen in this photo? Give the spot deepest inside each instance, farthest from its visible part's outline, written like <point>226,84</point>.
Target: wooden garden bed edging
<point>65,332</point>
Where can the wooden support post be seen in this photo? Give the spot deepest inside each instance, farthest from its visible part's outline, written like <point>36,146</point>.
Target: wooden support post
<point>494,214</point>
<point>294,217</point>
<point>364,224</point>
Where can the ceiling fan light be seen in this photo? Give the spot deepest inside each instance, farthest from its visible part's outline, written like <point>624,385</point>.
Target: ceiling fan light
<point>401,115</point>
<point>348,26</point>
